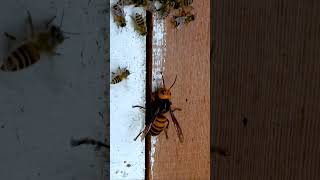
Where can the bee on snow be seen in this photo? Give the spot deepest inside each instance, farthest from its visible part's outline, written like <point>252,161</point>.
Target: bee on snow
<point>118,15</point>
<point>28,53</point>
<point>140,24</point>
<point>168,6</point>
<point>145,4</point>
<point>157,122</point>
<point>120,75</point>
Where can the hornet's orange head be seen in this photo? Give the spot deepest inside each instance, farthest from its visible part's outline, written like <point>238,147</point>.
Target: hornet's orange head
<point>164,93</point>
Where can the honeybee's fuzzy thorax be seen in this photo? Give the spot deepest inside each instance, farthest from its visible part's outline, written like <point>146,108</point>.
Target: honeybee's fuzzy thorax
<point>123,22</point>
<point>120,21</point>
<point>48,41</point>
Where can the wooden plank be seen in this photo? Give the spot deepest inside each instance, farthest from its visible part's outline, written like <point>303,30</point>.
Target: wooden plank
<point>187,55</point>
<point>266,69</point>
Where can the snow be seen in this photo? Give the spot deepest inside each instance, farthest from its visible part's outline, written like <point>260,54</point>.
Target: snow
<point>128,49</point>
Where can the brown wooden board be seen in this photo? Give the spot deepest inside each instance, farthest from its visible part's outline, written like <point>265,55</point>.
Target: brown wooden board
<point>267,70</point>
<point>188,56</point>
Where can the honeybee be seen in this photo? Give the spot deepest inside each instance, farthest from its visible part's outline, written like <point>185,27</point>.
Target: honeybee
<point>167,7</point>
<point>175,4</point>
<point>146,4</point>
<point>164,11</point>
<point>182,19</point>
<point>28,52</point>
<point>89,141</point>
<point>140,24</point>
<point>118,15</point>
<point>157,121</point>
<point>126,2</point>
<point>138,3</point>
<point>120,75</point>
<point>185,3</point>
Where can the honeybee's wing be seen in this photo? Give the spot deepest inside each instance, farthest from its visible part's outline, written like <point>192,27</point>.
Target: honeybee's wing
<point>180,22</point>
<point>117,10</point>
<point>177,126</point>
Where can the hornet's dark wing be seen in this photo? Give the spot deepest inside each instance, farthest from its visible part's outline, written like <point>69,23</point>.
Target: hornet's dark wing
<point>177,126</point>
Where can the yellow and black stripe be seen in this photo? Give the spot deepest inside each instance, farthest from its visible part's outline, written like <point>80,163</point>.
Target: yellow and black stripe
<point>185,3</point>
<point>158,125</point>
<point>141,24</point>
<point>21,58</point>
<point>118,78</point>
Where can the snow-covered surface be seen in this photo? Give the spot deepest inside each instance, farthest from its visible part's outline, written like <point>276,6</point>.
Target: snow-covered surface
<point>128,49</point>
<point>158,57</point>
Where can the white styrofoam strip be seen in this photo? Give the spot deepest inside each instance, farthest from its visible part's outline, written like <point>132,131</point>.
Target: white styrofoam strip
<point>159,50</point>
<point>128,49</point>
<point>158,58</point>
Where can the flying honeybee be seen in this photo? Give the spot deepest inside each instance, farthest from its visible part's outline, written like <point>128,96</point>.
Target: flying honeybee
<point>118,15</point>
<point>182,19</point>
<point>160,105</point>
<point>120,75</point>
<point>28,52</point>
<point>140,24</point>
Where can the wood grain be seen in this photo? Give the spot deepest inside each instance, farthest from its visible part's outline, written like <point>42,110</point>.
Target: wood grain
<point>187,55</point>
<point>266,69</point>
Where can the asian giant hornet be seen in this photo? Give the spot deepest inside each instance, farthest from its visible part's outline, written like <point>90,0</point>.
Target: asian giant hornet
<point>160,105</point>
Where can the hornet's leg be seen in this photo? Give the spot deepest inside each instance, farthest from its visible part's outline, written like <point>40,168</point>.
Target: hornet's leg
<point>175,108</point>
<point>137,136</point>
<point>30,23</point>
<point>166,129</point>
<point>138,107</point>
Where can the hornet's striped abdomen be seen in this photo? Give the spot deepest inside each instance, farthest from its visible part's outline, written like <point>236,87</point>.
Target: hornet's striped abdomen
<point>158,125</point>
<point>21,58</point>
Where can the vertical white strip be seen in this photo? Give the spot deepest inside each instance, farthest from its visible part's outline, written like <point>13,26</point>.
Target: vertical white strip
<point>128,49</point>
<point>158,58</point>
